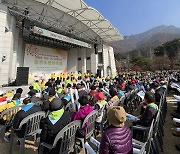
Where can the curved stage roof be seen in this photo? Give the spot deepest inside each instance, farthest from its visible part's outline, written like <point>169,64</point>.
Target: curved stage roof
<point>71,16</point>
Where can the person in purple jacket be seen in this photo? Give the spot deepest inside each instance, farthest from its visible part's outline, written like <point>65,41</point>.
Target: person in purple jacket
<point>117,138</point>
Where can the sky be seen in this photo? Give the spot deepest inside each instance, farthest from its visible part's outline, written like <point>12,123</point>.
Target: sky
<point>136,16</point>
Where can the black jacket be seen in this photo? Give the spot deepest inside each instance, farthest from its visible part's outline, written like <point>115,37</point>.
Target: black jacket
<point>49,131</point>
<point>147,117</point>
<point>158,94</point>
<point>20,116</point>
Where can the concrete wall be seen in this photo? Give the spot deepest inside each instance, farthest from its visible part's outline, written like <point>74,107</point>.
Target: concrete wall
<point>75,65</point>
<point>11,46</point>
<point>72,62</point>
<point>94,63</point>
<point>108,67</point>
<point>4,66</point>
<point>112,61</point>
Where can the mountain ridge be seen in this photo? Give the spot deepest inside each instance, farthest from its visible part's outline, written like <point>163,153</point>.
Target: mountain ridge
<point>150,38</point>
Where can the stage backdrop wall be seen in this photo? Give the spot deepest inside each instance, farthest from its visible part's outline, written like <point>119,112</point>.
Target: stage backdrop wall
<point>43,61</point>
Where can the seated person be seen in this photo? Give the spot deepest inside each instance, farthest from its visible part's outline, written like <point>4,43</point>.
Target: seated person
<point>92,95</point>
<point>101,107</point>
<point>48,83</point>
<point>34,98</point>
<point>114,97</point>
<point>36,86</point>
<point>2,97</point>
<point>57,119</point>
<point>101,103</point>
<point>84,110</point>
<point>60,91</point>
<point>58,81</point>
<point>117,138</point>
<point>158,93</point>
<point>81,114</point>
<point>149,112</point>
<point>66,99</point>
<point>19,90</point>
<point>27,109</point>
<point>15,102</point>
<point>120,91</point>
<point>81,91</point>
<point>48,98</point>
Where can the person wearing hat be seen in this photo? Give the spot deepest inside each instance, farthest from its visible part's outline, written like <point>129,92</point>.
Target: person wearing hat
<point>56,120</point>
<point>117,138</point>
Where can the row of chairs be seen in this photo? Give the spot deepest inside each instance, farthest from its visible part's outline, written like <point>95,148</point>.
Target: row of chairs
<point>129,101</point>
<point>66,135</point>
<point>151,137</point>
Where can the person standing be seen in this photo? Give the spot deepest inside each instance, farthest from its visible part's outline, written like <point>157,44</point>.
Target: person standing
<point>117,138</point>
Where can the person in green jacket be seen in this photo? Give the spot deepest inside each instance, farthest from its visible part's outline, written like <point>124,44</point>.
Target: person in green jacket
<point>36,86</point>
<point>68,81</point>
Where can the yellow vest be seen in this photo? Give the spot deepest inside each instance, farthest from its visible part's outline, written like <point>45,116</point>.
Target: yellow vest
<point>36,86</point>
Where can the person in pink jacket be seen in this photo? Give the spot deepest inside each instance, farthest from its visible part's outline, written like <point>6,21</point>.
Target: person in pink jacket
<point>84,110</point>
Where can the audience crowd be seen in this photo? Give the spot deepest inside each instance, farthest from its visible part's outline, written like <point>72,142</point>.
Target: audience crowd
<point>89,93</point>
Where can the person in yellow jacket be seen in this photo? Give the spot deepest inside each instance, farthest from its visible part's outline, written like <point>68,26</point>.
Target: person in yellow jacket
<point>15,102</point>
<point>36,86</point>
<point>108,77</point>
<point>98,79</point>
<point>68,75</point>
<point>42,85</point>
<point>9,94</point>
<point>53,76</point>
<point>79,76</point>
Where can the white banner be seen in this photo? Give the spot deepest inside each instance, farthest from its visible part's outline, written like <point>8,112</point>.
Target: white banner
<point>44,32</point>
<point>43,61</point>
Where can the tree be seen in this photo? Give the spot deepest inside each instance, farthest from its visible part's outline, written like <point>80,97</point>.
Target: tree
<point>170,49</point>
<point>140,63</point>
<point>159,51</point>
<point>162,63</point>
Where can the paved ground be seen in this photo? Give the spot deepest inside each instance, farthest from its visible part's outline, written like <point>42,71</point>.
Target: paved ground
<point>169,139</point>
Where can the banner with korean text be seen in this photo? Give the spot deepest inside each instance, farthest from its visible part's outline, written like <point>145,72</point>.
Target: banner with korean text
<point>43,61</point>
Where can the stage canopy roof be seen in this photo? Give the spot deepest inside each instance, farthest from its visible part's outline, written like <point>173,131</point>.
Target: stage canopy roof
<point>70,16</point>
